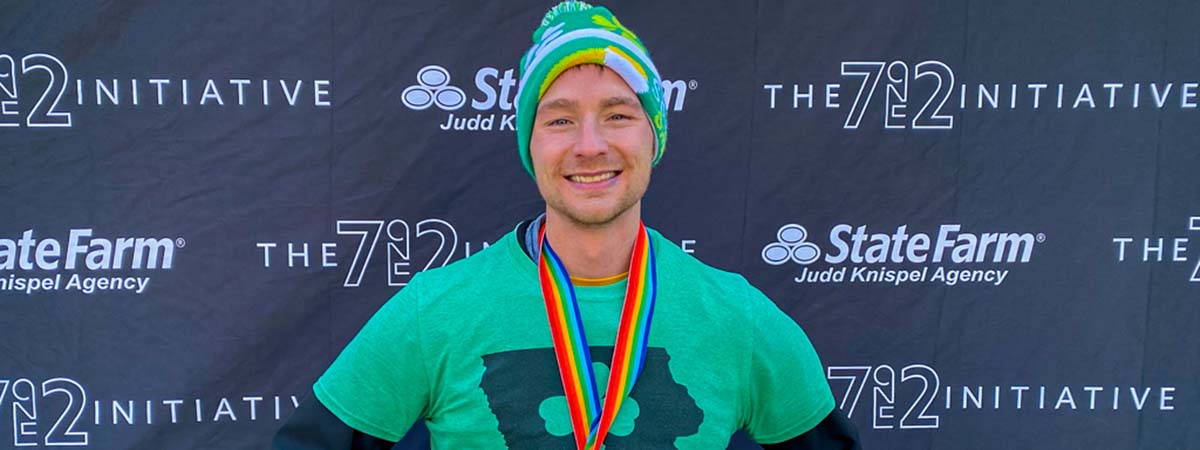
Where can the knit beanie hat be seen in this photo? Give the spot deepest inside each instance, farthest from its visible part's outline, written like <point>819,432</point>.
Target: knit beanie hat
<point>574,33</point>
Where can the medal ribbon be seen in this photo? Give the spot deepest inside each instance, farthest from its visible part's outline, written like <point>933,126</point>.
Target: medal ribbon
<point>589,421</point>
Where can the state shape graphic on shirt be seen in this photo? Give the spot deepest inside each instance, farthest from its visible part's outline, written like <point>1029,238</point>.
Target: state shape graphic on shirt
<point>524,392</point>
<point>556,412</point>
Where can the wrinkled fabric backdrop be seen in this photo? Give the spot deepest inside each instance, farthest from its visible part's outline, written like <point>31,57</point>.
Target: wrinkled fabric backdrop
<point>983,213</point>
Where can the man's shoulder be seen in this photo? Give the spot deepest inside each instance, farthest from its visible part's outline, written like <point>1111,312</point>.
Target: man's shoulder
<point>490,268</point>
<point>683,267</point>
<point>697,286</point>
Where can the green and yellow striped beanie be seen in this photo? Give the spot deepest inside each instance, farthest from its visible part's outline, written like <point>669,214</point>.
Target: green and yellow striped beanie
<point>575,33</point>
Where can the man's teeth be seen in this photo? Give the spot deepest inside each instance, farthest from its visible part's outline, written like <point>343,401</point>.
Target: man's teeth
<point>592,178</point>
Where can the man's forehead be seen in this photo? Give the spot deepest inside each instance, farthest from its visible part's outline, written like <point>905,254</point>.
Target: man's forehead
<point>571,103</point>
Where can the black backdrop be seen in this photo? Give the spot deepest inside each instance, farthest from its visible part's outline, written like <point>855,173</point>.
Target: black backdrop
<point>980,211</point>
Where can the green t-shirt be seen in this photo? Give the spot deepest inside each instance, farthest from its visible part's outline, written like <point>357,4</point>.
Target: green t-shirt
<point>467,348</point>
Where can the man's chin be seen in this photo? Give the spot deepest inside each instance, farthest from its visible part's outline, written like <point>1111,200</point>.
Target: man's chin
<point>594,217</point>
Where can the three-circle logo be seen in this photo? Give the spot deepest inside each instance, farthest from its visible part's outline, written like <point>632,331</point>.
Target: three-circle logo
<point>433,88</point>
<point>791,245</point>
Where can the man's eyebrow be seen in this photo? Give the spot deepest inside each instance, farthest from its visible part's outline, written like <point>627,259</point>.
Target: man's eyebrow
<point>561,103</point>
<point>615,101</point>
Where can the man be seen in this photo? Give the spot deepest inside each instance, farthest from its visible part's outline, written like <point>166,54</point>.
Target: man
<point>581,328</point>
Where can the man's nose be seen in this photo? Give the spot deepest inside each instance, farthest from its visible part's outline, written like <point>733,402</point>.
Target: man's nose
<point>591,140</point>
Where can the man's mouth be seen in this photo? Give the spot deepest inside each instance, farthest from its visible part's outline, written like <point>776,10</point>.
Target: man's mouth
<point>593,178</point>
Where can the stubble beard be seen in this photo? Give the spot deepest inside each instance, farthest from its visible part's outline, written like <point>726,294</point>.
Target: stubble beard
<point>584,217</point>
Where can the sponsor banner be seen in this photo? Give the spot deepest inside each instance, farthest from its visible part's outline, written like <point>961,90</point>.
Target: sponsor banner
<point>83,262</point>
<point>926,95</point>
<point>58,412</point>
<point>1165,250</point>
<point>491,106</point>
<point>981,214</point>
<point>915,397</point>
<point>948,255</point>
<point>391,246</point>
<point>374,244</point>
<point>54,96</point>
<point>63,95</point>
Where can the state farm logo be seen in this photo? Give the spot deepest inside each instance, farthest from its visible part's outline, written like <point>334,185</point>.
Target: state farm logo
<point>433,88</point>
<point>494,99</point>
<point>83,262</point>
<point>791,246</point>
<point>949,255</point>
<point>37,91</point>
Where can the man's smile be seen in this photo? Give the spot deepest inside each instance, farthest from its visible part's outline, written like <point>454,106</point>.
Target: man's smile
<point>592,177</point>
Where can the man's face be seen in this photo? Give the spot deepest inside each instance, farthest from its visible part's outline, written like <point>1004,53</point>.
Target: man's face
<point>592,146</point>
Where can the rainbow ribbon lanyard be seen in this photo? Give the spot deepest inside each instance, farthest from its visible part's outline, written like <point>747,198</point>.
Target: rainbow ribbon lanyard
<point>589,422</point>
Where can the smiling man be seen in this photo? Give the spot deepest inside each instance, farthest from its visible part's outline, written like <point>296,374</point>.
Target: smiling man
<point>581,328</point>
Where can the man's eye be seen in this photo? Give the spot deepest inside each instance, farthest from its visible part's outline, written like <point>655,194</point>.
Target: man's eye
<point>620,117</point>
<point>556,122</point>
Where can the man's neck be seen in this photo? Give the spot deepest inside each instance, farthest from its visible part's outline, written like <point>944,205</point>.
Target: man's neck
<point>594,251</point>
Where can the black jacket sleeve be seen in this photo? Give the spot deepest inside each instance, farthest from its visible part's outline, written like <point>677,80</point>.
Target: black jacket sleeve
<point>835,432</point>
<point>314,427</point>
